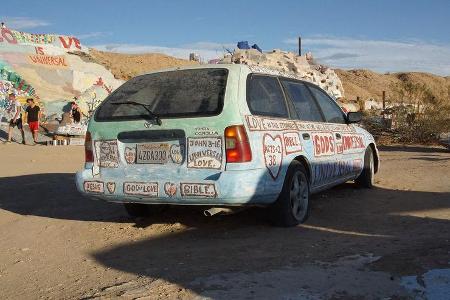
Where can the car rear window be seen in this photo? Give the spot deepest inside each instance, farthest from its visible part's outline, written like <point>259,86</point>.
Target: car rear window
<point>181,93</point>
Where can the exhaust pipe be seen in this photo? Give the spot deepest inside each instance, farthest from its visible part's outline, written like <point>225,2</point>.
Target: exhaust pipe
<point>219,210</point>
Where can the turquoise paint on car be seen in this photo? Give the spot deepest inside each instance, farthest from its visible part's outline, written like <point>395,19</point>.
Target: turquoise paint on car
<point>222,135</point>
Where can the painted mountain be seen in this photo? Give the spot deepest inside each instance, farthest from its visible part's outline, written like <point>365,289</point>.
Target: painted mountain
<point>52,69</point>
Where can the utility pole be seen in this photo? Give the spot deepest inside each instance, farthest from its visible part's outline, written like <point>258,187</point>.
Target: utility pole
<point>361,106</point>
<point>384,102</point>
<point>299,46</point>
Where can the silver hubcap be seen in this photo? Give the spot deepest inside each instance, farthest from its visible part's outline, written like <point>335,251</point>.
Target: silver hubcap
<point>299,195</point>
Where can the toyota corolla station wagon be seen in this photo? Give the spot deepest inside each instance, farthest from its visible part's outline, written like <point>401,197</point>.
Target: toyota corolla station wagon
<point>223,136</point>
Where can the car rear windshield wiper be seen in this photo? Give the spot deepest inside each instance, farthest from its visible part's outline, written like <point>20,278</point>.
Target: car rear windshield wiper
<point>150,113</point>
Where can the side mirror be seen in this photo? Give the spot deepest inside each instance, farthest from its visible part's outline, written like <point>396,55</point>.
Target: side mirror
<point>354,117</point>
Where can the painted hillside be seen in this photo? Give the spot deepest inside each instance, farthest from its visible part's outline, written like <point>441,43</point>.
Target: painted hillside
<point>53,69</point>
<point>49,68</point>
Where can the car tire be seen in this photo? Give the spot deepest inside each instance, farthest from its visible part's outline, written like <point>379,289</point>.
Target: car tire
<point>367,177</point>
<point>292,206</point>
<point>137,210</point>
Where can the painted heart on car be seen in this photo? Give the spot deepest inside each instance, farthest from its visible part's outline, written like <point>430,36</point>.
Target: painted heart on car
<point>130,155</point>
<point>176,154</point>
<point>170,189</point>
<point>273,154</point>
<point>111,186</point>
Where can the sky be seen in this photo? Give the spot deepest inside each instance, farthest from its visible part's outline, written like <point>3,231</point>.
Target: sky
<point>382,35</point>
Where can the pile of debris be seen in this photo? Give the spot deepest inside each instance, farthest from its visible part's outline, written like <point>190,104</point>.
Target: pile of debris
<point>289,64</point>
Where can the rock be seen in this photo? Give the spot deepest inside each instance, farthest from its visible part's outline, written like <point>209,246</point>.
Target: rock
<point>290,65</point>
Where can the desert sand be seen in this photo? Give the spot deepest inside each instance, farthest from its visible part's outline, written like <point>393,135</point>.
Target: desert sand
<point>358,243</point>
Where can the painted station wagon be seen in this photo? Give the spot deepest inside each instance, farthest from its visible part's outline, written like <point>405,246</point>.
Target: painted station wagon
<point>223,136</point>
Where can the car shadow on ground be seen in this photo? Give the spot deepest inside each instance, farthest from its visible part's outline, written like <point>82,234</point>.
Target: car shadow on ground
<point>54,195</point>
<point>344,221</point>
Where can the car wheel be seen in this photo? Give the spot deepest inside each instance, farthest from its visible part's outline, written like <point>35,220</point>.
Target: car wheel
<point>292,205</point>
<point>143,210</point>
<point>367,177</point>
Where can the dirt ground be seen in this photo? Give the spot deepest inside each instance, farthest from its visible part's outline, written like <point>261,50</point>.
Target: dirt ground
<point>390,242</point>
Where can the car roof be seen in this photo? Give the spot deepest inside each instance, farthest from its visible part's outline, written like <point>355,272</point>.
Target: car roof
<point>234,67</point>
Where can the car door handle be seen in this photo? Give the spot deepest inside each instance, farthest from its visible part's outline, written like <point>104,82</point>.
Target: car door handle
<point>338,136</point>
<point>306,136</point>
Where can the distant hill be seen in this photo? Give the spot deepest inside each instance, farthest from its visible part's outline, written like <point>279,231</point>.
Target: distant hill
<point>363,83</point>
<point>126,66</point>
<point>368,84</point>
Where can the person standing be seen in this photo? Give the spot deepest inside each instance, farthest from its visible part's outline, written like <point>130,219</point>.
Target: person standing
<point>33,114</point>
<point>14,112</point>
<point>75,112</point>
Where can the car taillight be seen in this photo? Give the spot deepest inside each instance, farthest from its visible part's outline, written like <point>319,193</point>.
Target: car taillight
<point>237,145</point>
<point>88,153</point>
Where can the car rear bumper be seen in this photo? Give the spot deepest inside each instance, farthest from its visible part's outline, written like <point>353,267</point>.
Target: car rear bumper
<point>227,188</point>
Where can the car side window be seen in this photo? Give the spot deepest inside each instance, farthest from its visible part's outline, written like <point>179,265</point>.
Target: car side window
<point>265,97</point>
<point>331,111</point>
<point>304,104</point>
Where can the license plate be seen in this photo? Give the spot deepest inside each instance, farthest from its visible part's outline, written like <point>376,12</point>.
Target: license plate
<point>152,153</point>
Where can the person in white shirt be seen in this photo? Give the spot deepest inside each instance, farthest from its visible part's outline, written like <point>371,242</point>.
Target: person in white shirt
<point>14,111</point>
